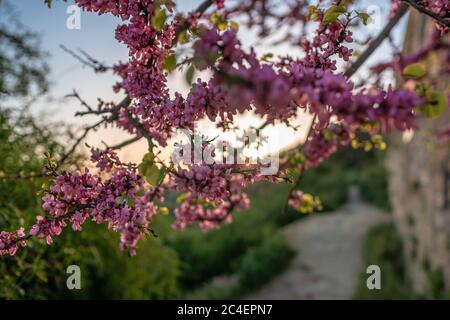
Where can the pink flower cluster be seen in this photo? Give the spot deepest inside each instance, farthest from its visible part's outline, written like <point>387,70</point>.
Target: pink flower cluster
<point>328,42</point>
<point>296,199</point>
<point>211,182</point>
<point>10,241</point>
<point>211,215</point>
<point>80,196</point>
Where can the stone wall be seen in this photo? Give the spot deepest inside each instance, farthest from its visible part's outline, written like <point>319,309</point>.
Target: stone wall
<point>419,188</point>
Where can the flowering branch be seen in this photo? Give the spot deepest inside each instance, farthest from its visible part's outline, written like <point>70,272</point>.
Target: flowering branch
<point>123,195</point>
<point>429,13</point>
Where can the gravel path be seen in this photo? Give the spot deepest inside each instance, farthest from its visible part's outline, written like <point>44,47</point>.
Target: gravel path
<point>328,260</point>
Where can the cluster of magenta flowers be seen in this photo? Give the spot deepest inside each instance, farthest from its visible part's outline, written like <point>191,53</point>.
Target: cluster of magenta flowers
<point>240,81</point>
<point>83,195</point>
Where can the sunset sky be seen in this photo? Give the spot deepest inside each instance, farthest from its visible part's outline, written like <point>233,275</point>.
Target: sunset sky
<point>96,37</point>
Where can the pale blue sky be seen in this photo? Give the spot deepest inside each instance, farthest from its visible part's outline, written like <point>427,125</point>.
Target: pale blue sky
<point>96,37</point>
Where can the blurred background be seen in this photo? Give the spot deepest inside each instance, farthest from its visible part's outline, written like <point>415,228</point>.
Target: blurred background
<point>379,208</point>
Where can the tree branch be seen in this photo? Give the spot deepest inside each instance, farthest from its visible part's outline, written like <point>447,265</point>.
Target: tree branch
<point>125,143</point>
<point>377,41</point>
<point>140,129</point>
<point>78,141</point>
<point>87,60</point>
<point>429,13</point>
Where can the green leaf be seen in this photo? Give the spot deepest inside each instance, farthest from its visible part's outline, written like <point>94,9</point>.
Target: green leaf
<point>219,21</point>
<point>182,37</point>
<point>233,79</point>
<point>164,211</point>
<point>436,104</point>
<point>415,70</point>
<point>170,63</point>
<point>328,135</point>
<point>267,57</point>
<point>181,198</point>
<point>48,3</point>
<point>148,169</point>
<point>332,14</point>
<point>364,17</point>
<point>356,53</point>
<point>159,19</point>
<point>312,13</point>
<point>234,25</point>
<point>189,76</point>
<point>292,174</point>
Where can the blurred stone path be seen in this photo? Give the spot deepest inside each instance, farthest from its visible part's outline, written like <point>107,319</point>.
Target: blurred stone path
<point>328,261</point>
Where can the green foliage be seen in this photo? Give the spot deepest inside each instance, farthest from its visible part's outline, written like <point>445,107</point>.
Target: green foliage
<point>328,183</point>
<point>225,290</point>
<point>436,104</point>
<point>148,169</point>
<point>23,68</point>
<point>204,256</point>
<point>49,3</point>
<point>159,19</point>
<point>415,70</point>
<point>333,13</point>
<point>383,247</point>
<point>170,63</point>
<point>264,262</point>
<point>331,181</point>
<point>258,266</point>
<point>374,186</point>
<point>189,76</point>
<point>312,13</point>
<point>436,285</point>
<point>39,271</point>
<point>364,17</point>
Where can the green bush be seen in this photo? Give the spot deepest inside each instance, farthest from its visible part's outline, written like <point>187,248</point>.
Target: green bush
<point>206,255</point>
<point>383,247</point>
<point>258,266</point>
<point>264,262</point>
<point>329,182</point>
<point>374,186</point>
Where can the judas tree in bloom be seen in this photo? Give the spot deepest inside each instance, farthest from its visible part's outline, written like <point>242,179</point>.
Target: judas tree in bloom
<point>161,40</point>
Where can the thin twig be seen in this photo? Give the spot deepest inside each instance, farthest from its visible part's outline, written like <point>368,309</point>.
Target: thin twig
<point>87,60</point>
<point>125,143</point>
<point>78,141</point>
<point>377,41</point>
<point>141,129</point>
<point>75,95</point>
<point>302,169</point>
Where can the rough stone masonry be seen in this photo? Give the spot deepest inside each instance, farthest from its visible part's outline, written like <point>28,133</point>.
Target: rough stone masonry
<point>420,187</point>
